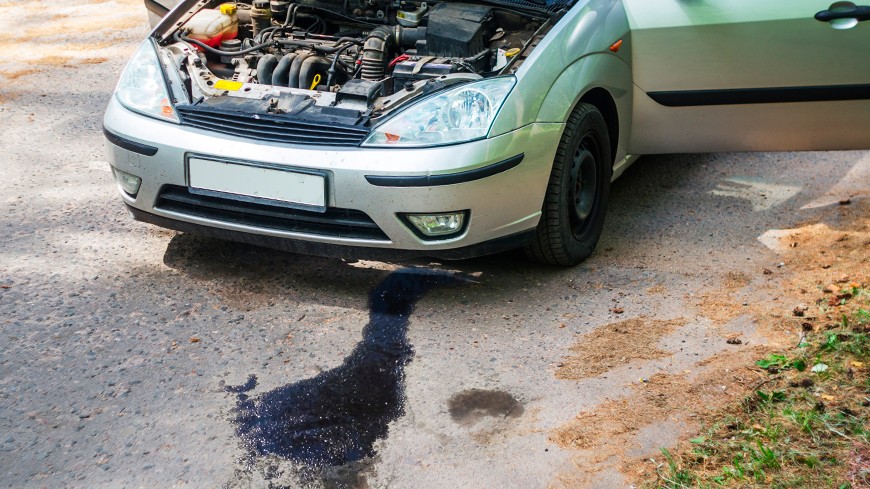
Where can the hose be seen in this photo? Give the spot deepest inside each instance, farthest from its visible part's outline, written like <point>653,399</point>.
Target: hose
<point>379,44</point>
<point>331,72</point>
<point>178,37</point>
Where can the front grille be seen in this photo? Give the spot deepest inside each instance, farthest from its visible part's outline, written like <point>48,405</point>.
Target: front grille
<point>266,127</point>
<point>338,223</point>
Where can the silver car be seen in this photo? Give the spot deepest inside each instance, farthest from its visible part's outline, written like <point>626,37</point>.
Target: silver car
<point>452,129</point>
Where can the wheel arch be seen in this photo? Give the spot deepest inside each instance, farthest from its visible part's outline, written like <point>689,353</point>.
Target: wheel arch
<point>602,80</point>
<point>603,101</point>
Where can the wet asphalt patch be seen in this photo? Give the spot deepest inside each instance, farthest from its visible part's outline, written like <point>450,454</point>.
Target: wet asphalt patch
<point>334,419</point>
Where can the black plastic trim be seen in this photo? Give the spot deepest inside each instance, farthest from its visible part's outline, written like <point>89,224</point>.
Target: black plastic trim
<point>332,250</point>
<point>448,179</point>
<point>694,98</point>
<point>334,222</point>
<point>142,149</point>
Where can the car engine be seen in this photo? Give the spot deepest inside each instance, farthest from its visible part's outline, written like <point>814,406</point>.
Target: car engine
<point>341,61</point>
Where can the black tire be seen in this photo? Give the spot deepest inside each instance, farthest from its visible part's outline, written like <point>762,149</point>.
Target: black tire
<point>576,200</point>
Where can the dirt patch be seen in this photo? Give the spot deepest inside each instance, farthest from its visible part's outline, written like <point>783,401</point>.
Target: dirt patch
<point>657,289</point>
<point>736,280</point>
<point>91,61</point>
<point>823,264</point>
<point>606,435</point>
<point>721,305</point>
<point>665,397</point>
<point>617,344</point>
<point>14,75</point>
<point>718,306</point>
<point>829,257</point>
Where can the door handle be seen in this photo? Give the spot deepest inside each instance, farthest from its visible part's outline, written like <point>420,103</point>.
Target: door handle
<point>859,13</point>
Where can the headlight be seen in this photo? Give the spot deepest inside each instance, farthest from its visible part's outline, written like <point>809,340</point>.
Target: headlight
<point>142,87</point>
<point>460,114</point>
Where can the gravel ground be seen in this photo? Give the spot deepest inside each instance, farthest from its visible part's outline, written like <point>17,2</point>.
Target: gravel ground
<point>118,338</point>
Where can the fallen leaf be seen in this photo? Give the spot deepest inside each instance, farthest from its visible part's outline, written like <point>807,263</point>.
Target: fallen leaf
<point>828,397</point>
<point>194,339</point>
<point>857,364</point>
<point>5,286</point>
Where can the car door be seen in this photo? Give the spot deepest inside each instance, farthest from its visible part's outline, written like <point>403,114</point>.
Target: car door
<point>749,75</point>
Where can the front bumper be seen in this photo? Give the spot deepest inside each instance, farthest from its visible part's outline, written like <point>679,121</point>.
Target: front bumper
<point>503,206</point>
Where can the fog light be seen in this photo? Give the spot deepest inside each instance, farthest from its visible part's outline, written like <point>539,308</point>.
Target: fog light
<point>438,225</point>
<point>128,183</point>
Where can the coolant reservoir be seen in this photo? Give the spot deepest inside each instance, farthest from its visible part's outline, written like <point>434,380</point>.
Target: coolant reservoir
<point>212,26</point>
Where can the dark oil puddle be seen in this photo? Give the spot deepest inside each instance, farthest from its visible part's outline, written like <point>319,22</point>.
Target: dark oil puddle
<point>335,418</point>
<point>470,406</point>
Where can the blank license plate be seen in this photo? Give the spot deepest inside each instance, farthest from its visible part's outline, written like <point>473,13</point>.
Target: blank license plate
<point>258,182</point>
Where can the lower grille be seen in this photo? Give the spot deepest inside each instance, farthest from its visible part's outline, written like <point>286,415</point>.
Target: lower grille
<point>335,222</point>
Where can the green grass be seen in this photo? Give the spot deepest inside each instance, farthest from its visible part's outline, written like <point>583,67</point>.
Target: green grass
<point>799,428</point>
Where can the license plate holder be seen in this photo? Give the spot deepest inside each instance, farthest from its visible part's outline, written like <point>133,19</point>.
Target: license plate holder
<point>257,182</point>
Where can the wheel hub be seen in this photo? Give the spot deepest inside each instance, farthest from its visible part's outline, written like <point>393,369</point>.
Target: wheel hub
<point>583,187</point>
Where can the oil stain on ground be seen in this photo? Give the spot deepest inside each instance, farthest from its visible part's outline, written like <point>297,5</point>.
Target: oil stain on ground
<point>470,406</point>
<point>335,418</point>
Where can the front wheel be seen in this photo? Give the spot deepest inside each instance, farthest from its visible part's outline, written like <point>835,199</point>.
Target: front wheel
<point>573,213</point>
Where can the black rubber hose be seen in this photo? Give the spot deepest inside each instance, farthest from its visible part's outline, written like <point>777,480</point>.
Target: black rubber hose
<point>281,75</point>
<point>331,72</point>
<point>265,31</point>
<point>378,46</point>
<point>265,68</point>
<point>381,44</point>
<point>178,37</point>
<point>407,37</point>
<point>293,78</point>
<point>339,44</point>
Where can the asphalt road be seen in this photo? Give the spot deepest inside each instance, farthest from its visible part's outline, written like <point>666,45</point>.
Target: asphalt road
<point>118,340</point>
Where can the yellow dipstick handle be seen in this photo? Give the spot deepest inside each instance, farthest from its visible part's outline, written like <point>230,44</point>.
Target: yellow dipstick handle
<point>315,82</point>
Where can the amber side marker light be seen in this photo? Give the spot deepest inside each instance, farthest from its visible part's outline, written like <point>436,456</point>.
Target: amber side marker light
<point>615,47</point>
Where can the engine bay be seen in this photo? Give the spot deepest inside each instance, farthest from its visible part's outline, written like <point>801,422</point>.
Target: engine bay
<point>345,62</point>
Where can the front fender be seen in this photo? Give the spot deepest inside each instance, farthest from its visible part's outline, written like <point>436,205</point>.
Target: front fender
<point>595,71</point>
<point>573,58</point>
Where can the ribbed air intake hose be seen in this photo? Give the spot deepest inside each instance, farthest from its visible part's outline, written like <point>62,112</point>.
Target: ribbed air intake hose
<point>380,46</point>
